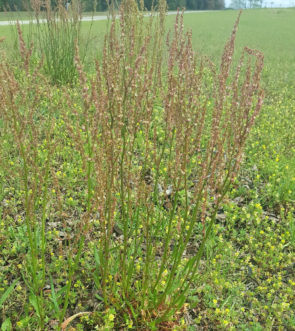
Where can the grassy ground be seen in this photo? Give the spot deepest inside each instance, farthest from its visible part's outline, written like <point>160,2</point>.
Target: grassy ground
<point>21,16</point>
<point>11,16</point>
<point>247,276</point>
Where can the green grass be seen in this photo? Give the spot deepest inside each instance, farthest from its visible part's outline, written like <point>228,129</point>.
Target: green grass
<point>24,15</point>
<point>246,278</point>
<point>12,16</point>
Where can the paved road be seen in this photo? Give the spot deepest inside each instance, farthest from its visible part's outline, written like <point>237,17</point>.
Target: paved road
<point>94,18</point>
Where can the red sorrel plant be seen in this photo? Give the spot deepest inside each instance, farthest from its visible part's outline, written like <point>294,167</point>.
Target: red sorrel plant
<point>158,144</point>
<point>28,128</point>
<point>160,149</point>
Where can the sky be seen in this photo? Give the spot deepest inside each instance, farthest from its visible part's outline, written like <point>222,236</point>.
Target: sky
<point>272,3</point>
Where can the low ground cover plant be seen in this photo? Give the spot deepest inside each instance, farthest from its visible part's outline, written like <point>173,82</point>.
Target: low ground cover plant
<point>114,205</point>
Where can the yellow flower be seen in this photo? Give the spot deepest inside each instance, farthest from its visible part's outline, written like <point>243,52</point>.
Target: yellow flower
<point>129,324</point>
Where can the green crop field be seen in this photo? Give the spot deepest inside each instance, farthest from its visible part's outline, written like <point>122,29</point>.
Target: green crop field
<point>151,190</point>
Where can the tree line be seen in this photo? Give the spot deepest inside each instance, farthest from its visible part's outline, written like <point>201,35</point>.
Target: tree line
<point>102,5</point>
<point>243,4</point>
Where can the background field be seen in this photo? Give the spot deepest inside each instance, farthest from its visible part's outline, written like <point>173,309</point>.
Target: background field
<point>269,30</point>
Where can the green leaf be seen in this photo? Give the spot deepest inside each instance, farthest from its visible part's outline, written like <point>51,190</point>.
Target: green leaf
<point>6,325</point>
<point>53,296</point>
<point>99,297</point>
<point>96,282</point>
<point>96,257</point>
<point>6,294</point>
<point>34,303</point>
